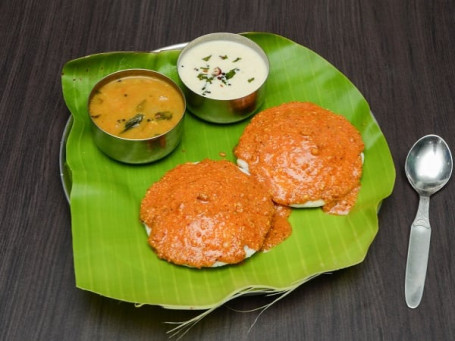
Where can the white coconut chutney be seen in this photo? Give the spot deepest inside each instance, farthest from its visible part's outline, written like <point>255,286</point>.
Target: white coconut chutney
<point>222,69</point>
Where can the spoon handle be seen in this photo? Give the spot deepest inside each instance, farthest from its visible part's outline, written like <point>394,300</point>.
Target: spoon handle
<point>419,247</point>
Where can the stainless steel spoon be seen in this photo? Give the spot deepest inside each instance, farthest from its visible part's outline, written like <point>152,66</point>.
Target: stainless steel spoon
<point>428,168</point>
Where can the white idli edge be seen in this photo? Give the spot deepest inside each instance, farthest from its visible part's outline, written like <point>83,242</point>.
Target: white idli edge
<point>147,229</point>
<point>248,251</point>
<point>309,204</point>
<point>243,165</point>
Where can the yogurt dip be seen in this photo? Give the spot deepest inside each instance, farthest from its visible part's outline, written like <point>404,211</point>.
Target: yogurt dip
<point>222,69</point>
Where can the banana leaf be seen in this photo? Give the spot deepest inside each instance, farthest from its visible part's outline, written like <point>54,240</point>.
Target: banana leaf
<point>111,254</point>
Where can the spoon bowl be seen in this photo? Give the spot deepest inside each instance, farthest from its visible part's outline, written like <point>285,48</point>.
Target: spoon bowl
<point>429,165</point>
<point>428,168</point>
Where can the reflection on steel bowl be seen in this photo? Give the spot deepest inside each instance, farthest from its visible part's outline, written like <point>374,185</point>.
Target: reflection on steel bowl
<point>137,115</point>
<point>224,76</point>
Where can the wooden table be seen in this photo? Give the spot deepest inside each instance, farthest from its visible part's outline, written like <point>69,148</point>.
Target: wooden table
<point>400,54</point>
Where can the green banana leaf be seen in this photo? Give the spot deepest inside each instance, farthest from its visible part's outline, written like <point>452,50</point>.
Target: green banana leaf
<point>111,254</point>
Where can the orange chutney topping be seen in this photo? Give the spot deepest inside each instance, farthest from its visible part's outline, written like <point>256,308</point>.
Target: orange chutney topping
<point>304,153</point>
<point>280,229</point>
<point>207,212</point>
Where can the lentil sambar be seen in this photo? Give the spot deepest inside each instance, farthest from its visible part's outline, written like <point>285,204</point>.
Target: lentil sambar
<point>136,106</point>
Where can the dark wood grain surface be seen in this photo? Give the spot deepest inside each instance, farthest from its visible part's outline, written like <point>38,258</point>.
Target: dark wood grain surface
<point>400,54</point>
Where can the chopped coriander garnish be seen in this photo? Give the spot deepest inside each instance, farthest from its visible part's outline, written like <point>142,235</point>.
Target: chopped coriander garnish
<point>231,73</point>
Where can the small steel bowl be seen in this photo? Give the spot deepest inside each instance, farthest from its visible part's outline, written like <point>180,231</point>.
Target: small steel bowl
<point>223,110</point>
<point>137,151</point>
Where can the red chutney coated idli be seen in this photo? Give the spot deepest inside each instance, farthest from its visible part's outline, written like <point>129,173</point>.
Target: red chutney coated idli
<point>209,214</point>
<point>306,155</point>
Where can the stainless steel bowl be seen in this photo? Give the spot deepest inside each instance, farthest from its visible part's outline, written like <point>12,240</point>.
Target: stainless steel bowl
<point>137,151</point>
<point>219,110</point>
